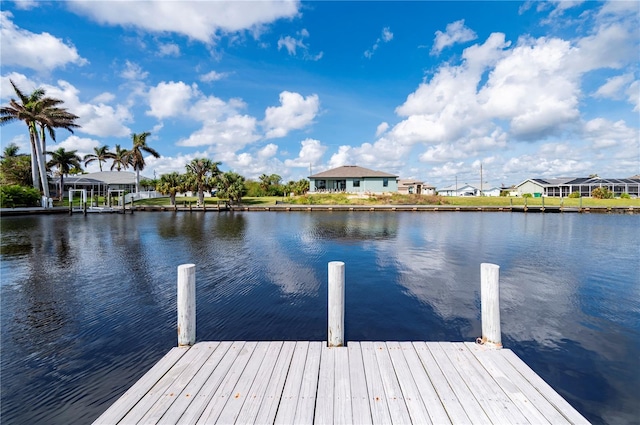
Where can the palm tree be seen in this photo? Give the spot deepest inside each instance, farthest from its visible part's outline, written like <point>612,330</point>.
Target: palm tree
<point>15,168</point>
<point>121,158</point>
<point>137,160</point>
<point>201,176</point>
<point>264,183</point>
<point>10,151</point>
<point>171,184</point>
<point>231,186</point>
<point>100,154</point>
<point>64,161</point>
<point>37,110</point>
<point>56,117</point>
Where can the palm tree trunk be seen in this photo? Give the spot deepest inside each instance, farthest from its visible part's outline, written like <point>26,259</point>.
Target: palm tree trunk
<point>34,164</point>
<point>61,194</point>
<point>137,181</point>
<point>41,165</point>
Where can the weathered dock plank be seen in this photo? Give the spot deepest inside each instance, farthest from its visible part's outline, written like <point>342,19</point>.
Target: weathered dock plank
<point>366,382</point>
<point>360,410</point>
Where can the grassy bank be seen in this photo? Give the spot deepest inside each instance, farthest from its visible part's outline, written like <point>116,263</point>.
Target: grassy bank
<point>398,199</point>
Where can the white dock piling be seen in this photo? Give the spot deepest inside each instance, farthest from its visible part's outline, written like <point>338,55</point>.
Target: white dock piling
<point>186,304</point>
<point>490,304</point>
<point>336,304</point>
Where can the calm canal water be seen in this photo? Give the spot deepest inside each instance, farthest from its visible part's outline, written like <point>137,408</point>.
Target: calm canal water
<point>88,303</point>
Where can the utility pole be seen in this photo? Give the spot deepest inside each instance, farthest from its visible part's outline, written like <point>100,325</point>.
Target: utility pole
<point>481,179</point>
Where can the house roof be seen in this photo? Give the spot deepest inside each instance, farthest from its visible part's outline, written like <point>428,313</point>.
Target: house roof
<point>104,177</point>
<point>485,187</point>
<point>578,181</point>
<point>351,171</point>
<point>411,182</point>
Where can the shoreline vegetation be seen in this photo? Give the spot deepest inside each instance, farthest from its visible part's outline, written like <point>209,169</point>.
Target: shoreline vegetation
<point>399,199</point>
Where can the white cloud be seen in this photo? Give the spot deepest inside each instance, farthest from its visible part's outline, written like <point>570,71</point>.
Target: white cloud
<point>36,51</point>
<point>105,97</point>
<point>456,32</point>
<point>169,164</point>
<point>634,95</point>
<point>82,145</point>
<point>385,37</point>
<point>560,7</point>
<point>533,89</point>
<point>198,20</point>
<point>168,49</point>
<point>170,99</point>
<point>340,158</point>
<point>615,87</point>
<point>620,140</point>
<point>294,113</point>
<point>212,76</point>
<point>447,171</point>
<point>96,118</point>
<point>534,165</point>
<point>292,45</point>
<point>382,128</point>
<point>227,135</point>
<point>25,4</point>
<point>268,151</point>
<point>133,71</point>
<point>595,51</point>
<point>310,154</point>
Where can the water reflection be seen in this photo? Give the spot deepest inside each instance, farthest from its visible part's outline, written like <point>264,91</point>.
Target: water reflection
<point>355,226</point>
<point>88,303</point>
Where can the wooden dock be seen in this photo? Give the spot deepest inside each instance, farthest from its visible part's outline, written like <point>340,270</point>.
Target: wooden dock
<point>363,383</point>
<point>289,382</point>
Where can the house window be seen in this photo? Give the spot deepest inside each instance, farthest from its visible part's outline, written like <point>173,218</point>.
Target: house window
<point>385,182</point>
<point>356,183</point>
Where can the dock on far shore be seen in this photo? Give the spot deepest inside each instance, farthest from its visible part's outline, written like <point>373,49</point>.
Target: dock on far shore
<point>333,382</point>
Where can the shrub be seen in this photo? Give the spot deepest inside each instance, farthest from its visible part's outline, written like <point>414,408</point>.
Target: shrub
<point>601,193</point>
<point>12,196</point>
<point>575,194</point>
<point>527,195</point>
<point>625,196</point>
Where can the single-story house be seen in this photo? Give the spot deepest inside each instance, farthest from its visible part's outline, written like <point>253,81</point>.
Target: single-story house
<point>100,182</point>
<point>466,189</point>
<point>562,187</point>
<point>353,179</point>
<point>410,187</point>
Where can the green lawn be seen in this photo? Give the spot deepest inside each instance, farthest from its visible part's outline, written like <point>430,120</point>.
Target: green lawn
<point>185,200</point>
<point>397,199</point>
<point>501,201</point>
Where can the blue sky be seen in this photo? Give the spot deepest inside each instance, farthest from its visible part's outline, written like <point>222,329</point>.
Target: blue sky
<point>423,89</point>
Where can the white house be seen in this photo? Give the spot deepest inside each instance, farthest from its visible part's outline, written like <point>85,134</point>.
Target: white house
<point>467,189</point>
<point>584,185</point>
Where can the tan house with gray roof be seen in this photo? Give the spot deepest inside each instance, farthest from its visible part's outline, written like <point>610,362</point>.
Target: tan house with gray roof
<point>353,179</point>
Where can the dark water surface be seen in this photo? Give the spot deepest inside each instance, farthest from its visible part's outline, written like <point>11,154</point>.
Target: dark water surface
<point>88,303</point>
